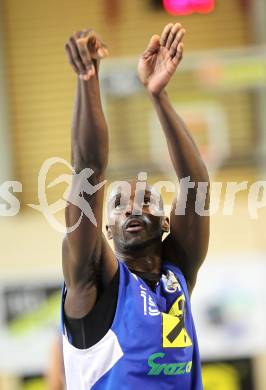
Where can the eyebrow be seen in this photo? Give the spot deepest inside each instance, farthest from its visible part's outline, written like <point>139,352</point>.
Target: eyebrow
<point>114,197</point>
<point>118,194</point>
<point>147,192</point>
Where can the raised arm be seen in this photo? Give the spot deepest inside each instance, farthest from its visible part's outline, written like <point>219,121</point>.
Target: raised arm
<point>86,255</point>
<point>187,243</point>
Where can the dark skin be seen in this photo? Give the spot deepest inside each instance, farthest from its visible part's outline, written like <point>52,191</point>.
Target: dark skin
<point>137,233</point>
<point>88,261</point>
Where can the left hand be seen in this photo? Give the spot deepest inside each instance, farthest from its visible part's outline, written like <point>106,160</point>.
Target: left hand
<point>84,50</point>
<point>161,58</point>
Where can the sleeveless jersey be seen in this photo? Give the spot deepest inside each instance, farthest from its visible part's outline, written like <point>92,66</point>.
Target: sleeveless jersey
<point>152,343</point>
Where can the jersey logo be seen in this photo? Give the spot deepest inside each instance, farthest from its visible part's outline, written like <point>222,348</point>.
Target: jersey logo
<point>170,282</point>
<point>156,367</point>
<point>175,334</point>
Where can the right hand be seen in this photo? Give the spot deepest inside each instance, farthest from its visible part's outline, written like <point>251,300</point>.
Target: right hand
<point>84,51</point>
<point>159,61</point>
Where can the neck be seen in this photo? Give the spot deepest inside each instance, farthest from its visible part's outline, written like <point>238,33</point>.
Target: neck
<point>148,259</point>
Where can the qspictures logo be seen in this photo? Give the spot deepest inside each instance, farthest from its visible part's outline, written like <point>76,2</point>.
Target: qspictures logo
<point>157,366</point>
<point>80,187</point>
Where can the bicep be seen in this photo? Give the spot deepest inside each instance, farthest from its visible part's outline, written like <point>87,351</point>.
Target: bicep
<point>90,329</point>
<point>85,251</point>
<point>84,218</point>
<point>83,283</point>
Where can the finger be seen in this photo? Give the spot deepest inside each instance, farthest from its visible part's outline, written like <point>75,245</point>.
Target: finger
<point>100,48</point>
<point>82,44</point>
<point>92,41</point>
<point>165,33</point>
<point>179,53</point>
<point>103,45</point>
<point>153,46</point>
<point>87,76</point>
<point>95,45</point>
<point>82,33</point>
<point>102,52</point>
<point>77,34</point>
<point>76,56</point>
<point>70,59</point>
<point>179,37</point>
<point>172,34</point>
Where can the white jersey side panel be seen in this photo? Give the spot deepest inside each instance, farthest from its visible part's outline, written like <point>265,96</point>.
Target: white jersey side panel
<point>84,367</point>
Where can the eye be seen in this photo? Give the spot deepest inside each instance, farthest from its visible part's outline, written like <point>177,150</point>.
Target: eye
<point>146,202</point>
<point>118,205</point>
<point>117,201</point>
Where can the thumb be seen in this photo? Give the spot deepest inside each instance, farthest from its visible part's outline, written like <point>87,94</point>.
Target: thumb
<point>153,45</point>
<point>91,39</point>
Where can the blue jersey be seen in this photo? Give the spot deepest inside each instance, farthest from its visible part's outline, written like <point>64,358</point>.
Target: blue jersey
<point>152,343</point>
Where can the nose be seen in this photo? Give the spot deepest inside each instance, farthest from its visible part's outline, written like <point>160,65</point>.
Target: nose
<point>133,208</point>
<point>129,208</point>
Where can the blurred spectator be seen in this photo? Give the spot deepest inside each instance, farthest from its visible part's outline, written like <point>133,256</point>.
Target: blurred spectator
<point>55,377</point>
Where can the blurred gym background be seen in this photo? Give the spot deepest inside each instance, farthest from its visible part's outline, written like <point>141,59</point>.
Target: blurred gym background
<point>220,91</point>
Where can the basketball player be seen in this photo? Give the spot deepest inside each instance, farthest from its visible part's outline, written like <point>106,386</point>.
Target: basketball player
<point>127,321</point>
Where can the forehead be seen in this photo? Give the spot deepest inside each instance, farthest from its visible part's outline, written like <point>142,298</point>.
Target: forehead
<point>131,188</point>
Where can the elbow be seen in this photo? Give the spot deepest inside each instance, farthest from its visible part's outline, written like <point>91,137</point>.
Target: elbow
<point>96,164</point>
<point>90,156</point>
<point>203,173</point>
<point>98,170</point>
<point>199,175</point>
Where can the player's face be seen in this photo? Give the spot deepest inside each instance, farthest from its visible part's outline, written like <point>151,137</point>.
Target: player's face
<point>136,219</point>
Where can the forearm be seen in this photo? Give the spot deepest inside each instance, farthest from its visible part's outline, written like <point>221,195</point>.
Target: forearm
<point>183,151</point>
<point>89,143</point>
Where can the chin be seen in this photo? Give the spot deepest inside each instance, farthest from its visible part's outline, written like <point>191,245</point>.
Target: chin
<point>135,244</point>
<point>138,243</point>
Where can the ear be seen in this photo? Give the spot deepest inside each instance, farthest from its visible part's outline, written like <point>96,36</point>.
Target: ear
<point>108,232</point>
<point>165,224</point>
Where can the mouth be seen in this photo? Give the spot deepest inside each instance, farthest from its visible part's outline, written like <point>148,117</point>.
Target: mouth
<point>134,225</point>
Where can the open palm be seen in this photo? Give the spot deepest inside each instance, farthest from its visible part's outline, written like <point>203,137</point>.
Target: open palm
<point>161,58</point>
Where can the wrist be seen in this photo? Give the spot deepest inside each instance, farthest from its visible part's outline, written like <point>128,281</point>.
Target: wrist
<point>92,82</point>
<point>92,73</point>
<point>157,95</point>
<point>96,63</point>
<point>89,90</point>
